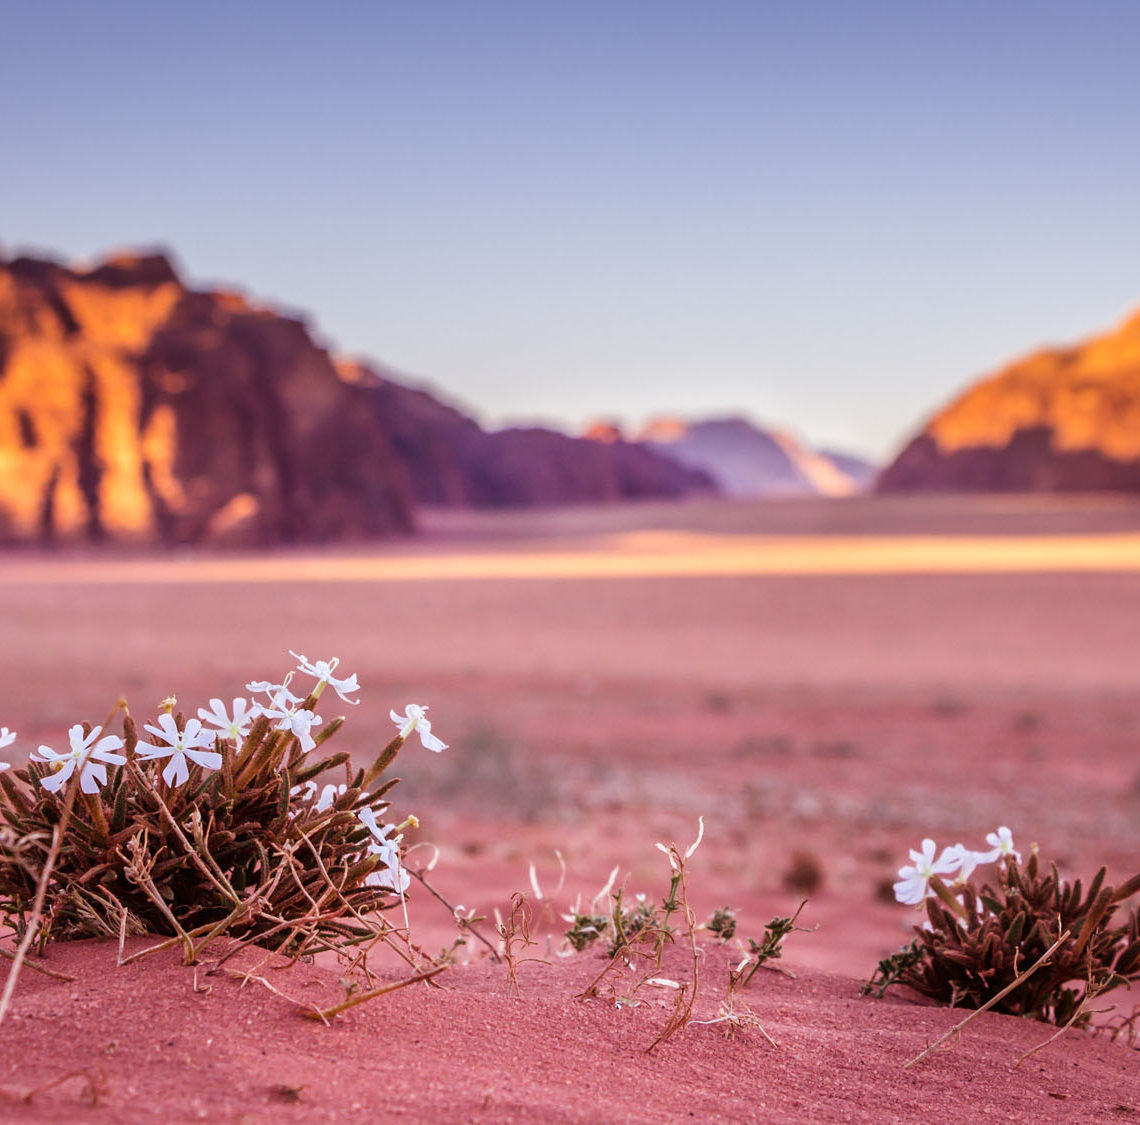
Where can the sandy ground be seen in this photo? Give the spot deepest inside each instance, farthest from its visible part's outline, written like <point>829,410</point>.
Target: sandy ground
<point>480,1052</point>
<point>824,682</point>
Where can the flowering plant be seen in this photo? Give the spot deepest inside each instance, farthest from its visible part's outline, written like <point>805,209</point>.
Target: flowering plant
<point>1024,941</point>
<point>249,829</point>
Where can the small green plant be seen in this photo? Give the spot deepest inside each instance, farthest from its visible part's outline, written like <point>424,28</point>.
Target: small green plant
<point>722,924</point>
<point>585,929</point>
<point>893,968</point>
<point>769,948</point>
<point>639,934</point>
<point>627,924</point>
<point>733,1013</point>
<point>979,943</point>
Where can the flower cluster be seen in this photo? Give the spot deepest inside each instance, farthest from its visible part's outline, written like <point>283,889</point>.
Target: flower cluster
<point>1024,940</point>
<point>196,741</point>
<point>246,786</point>
<point>916,879</point>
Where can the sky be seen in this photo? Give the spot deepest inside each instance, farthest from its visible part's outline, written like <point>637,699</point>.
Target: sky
<point>830,216</point>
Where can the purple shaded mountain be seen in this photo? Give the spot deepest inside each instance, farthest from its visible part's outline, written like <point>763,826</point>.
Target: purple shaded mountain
<point>746,460</point>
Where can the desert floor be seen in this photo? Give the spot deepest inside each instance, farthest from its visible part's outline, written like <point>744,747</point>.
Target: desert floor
<point>824,682</point>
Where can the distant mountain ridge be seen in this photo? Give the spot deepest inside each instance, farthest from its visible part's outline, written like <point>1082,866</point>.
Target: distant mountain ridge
<point>746,460</point>
<point>136,409</point>
<point>453,462</point>
<point>1059,420</point>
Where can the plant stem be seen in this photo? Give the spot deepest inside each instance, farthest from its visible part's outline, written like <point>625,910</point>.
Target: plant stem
<point>315,1013</point>
<point>41,894</point>
<point>992,1001</point>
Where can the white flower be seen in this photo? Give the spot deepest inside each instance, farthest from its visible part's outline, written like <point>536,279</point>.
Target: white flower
<point>190,743</point>
<point>328,797</point>
<point>7,737</point>
<point>415,719</point>
<point>299,722</point>
<point>275,691</point>
<point>91,754</point>
<point>1001,843</point>
<point>367,817</point>
<point>967,861</point>
<point>323,671</point>
<point>235,727</point>
<point>393,877</point>
<point>913,884</point>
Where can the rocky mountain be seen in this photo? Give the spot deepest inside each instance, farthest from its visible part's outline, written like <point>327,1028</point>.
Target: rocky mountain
<point>133,408</point>
<point>746,460</point>
<point>1061,419</point>
<point>452,462</point>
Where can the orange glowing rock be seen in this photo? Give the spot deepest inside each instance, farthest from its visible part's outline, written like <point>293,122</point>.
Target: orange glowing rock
<point>1061,419</point>
<point>134,408</point>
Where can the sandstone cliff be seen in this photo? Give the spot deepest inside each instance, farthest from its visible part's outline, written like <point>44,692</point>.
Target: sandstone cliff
<point>133,408</point>
<point>1063,419</point>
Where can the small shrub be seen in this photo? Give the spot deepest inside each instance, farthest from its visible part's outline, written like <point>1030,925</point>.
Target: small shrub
<point>239,825</point>
<point>722,924</point>
<point>979,940</point>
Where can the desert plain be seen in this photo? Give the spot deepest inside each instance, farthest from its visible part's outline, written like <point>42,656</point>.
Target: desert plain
<point>824,682</point>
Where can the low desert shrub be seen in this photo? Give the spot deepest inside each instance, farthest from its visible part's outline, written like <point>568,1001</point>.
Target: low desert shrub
<point>236,823</point>
<point>980,939</point>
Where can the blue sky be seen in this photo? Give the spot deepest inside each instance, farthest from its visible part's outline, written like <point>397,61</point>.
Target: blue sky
<point>829,215</point>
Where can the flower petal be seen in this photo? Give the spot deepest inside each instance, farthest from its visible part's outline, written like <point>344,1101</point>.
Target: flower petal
<point>430,742</point>
<point>54,782</point>
<point>92,776</point>
<point>910,892</point>
<point>153,752</point>
<point>176,772</point>
<point>207,759</point>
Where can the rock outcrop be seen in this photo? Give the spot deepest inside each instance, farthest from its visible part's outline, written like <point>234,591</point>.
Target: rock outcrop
<point>1060,420</point>
<point>135,409</point>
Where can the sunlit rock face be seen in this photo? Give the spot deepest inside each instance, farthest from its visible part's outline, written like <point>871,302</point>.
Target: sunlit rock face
<point>1065,419</point>
<point>134,409</point>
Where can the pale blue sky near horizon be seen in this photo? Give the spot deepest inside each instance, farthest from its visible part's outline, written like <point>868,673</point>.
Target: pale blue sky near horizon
<point>829,216</point>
